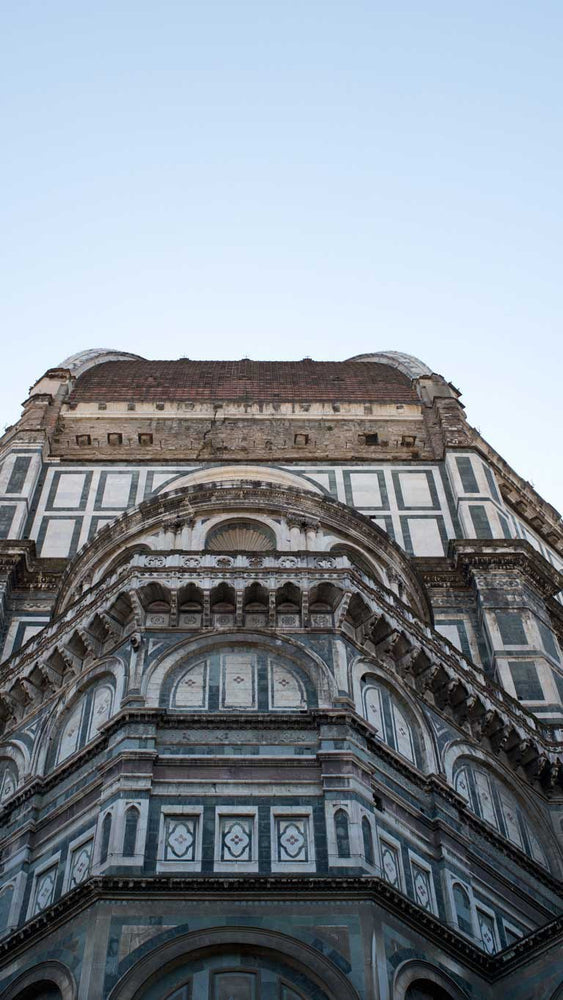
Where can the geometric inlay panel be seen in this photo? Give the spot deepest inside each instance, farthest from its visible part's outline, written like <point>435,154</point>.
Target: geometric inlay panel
<point>292,838</point>
<point>180,838</point>
<point>236,838</point>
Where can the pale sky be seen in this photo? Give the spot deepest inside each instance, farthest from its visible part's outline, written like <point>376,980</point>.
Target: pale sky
<point>282,178</point>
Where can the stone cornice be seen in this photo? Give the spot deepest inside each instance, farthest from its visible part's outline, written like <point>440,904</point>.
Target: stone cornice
<point>16,557</point>
<point>19,559</point>
<point>506,555</point>
<point>198,888</point>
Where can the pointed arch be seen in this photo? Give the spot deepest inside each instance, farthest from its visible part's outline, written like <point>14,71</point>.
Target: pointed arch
<point>105,837</point>
<point>367,841</point>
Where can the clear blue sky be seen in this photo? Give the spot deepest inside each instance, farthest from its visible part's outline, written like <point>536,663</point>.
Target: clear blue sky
<point>281,178</point>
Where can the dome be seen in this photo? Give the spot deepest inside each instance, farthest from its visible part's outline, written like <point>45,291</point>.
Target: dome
<point>83,360</point>
<point>406,363</point>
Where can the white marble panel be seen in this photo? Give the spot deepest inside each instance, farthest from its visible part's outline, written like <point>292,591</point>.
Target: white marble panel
<point>374,715</point>
<point>101,708</point>
<point>365,489</point>
<point>425,536</point>
<point>69,490</point>
<point>191,691</point>
<point>286,691</point>
<point>403,734</point>
<point>58,538</point>
<point>450,632</point>
<point>511,819</point>
<point>116,490</point>
<point>415,489</point>
<point>238,677</point>
<point>485,797</point>
<point>71,732</point>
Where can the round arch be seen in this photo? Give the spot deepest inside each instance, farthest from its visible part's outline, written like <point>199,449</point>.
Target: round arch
<point>361,666</point>
<point>112,667</point>
<point>263,500</point>
<point>409,972</point>
<point>197,944</point>
<point>240,534</point>
<point>289,647</point>
<point>262,520</point>
<point>459,751</point>
<point>48,974</point>
<point>226,473</point>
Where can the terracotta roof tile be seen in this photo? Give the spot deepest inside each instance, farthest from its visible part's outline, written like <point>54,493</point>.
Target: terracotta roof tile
<point>251,381</point>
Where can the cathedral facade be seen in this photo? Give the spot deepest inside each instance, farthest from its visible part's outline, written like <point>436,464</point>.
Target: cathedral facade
<point>281,690</point>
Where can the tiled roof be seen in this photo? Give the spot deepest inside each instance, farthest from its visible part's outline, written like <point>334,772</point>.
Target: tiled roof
<point>252,381</point>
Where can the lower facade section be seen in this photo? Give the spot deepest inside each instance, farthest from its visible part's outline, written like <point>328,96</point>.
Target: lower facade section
<point>115,940</point>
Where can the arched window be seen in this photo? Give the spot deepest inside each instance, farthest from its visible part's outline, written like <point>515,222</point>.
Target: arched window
<point>462,909</point>
<point>85,719</point>
<point>367,839</point>
<point>391,725</point>
<point>490,799</point>
<point>106,834</point>
<point>130,833</point>
<point>342,831</point>
<point>238,677</point>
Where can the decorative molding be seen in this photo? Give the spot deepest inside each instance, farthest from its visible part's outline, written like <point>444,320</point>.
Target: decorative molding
<point>248,887</point>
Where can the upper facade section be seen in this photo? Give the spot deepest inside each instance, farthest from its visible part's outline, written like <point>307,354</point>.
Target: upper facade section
<point>263,381</point>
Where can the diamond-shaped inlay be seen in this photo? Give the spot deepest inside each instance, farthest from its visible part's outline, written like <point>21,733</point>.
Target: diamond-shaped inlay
<point>237,840</point>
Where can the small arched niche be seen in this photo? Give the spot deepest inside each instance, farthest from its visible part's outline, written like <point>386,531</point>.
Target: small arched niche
<point>425,989</point>
<point>419,980</point>
<point>45,981</point>
<point>241,536</point>
<point>41,991</point>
